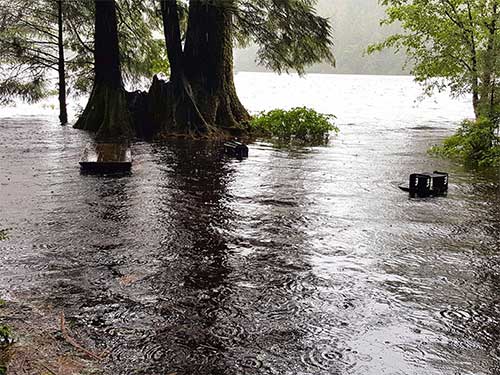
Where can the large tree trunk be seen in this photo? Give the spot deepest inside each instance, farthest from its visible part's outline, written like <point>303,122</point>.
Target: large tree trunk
<point>172,105</point>
<point>63,114</point>
<point>208,56</point>
<point>201,95</point>
<point>107,113</point>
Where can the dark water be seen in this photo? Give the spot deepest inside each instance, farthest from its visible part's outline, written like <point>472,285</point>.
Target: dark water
<point>302,261</point>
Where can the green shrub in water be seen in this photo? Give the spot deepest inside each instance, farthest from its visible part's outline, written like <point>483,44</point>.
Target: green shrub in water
<point>3,234</point>
<point>301,123</point>
<point>475,143</point>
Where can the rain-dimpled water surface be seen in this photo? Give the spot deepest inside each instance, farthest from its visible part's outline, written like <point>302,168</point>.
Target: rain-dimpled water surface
<point>294,261</point>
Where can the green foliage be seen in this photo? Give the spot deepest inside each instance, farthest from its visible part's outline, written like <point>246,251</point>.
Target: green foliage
<point>26,53</point>
<point>29,50</point>
<point>431,40</point>
<point>450,44</point>
<point>290,34</point>
<point>475,143</point>
<point>350,42</point>
<point>5,335</point>
<point>141,54</point>
<point>3,235</point>
<point>300,124</point>
<point>31,89</point>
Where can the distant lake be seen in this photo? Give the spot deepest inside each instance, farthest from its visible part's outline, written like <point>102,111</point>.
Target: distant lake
<point>352,98</point>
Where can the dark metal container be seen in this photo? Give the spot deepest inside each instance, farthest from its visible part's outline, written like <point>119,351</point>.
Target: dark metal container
<point>423,185</point>
<point>236,149</point>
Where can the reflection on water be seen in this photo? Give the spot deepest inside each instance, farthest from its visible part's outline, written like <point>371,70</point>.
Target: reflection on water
<point>304,261</point>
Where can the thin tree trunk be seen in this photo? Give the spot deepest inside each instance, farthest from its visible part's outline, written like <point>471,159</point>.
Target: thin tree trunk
<point>470,37</point>
<point>488,80</point>
<point>63,115</point>
<point>475,94</point>
<point>171,28</point>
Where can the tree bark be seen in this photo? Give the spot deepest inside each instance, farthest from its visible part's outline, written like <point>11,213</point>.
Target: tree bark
<point>487,94</point>
<point>173,106</point>
<point>475,91</point>
<point>470,38</point>
<point>201,96</point>
<point>208,56</point>
<point>107,113</point>
<point>63,114</point>
<point>172,31</point>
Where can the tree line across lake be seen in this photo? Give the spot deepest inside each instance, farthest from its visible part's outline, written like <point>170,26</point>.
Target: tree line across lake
<point>356,24</point>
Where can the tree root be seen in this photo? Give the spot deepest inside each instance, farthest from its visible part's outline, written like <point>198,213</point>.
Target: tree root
<point>183,108</point>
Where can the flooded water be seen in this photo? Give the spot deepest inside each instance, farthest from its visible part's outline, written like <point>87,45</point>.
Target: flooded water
<point>294,261</point>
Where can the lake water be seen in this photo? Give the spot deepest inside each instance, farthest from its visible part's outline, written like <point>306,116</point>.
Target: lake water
<point>294,261</point>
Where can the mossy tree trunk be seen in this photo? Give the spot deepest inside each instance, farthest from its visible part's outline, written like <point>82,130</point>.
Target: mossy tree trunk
<point>201,95</point>
<point>106,112</point>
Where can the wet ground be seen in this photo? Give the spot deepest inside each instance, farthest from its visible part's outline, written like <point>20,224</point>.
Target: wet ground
<point>294,261</point>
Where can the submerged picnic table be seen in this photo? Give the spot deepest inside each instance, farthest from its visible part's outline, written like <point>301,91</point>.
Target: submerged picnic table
<point>106,158</point>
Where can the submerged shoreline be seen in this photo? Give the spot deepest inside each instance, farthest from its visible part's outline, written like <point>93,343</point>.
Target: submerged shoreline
<point>303,260</point>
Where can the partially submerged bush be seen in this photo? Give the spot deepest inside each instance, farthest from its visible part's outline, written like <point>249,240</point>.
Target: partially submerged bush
<point>301,123</point>
<point>475,143</point>
<point>3,234</point>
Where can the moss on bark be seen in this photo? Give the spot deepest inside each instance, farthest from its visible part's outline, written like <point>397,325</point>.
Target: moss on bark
<point>107,114</point>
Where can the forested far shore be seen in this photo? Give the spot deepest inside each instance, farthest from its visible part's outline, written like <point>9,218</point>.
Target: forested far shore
<point>356,24</point>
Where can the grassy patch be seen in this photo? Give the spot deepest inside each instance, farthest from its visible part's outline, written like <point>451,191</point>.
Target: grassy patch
<point>475,144</point>
<point>5,342</point>
<point>300,124</point>
<point>5,336</point>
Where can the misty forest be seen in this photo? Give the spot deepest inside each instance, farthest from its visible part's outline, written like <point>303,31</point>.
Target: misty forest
<point>225,187</point>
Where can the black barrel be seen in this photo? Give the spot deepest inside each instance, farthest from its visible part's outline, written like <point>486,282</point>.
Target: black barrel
<point>427,184</point>
<point>420,185</point>
<point>439,183</point>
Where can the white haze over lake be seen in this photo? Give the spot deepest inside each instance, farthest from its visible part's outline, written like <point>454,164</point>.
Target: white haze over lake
<point>354,99</point>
